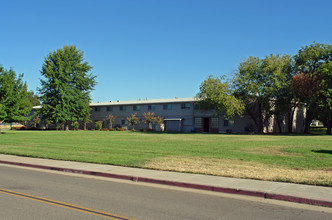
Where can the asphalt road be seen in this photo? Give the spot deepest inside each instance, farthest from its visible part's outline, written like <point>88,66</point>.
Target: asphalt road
<point>34,194</point>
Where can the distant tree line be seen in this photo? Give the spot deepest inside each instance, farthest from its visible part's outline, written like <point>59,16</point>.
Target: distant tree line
<point>276,85</point>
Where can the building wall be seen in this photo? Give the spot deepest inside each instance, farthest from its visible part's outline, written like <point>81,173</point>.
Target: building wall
<point>183,115</point>
<point>166,110</point>
<point>219,124</point>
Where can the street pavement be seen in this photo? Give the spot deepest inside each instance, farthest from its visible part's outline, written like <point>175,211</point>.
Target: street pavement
<point>29,193</point>
<point>313,195</point>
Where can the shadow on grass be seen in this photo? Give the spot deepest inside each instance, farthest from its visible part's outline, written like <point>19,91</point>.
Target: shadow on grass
<point>322,151</point>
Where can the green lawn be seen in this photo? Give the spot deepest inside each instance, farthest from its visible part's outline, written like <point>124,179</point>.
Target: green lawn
<point>282,153</point>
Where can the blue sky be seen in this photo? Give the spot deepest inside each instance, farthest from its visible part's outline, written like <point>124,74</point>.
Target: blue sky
<point>157,48</point>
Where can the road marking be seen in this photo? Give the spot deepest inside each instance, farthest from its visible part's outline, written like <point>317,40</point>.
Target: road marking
<point>65,205</point>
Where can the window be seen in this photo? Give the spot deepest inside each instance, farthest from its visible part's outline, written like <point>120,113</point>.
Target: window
<point>151,107</point>
<point>229,123</point>
<point>185,106</point>
<point>136,107</point>
<point>97,109</point>
<point>109,108</point>
<point>124,122</point>
<point>122,108</point>
<point>167,106</point>
<point>198,122</point>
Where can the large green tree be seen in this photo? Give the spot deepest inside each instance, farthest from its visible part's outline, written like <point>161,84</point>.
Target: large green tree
<point>314,62</point>
<point>66,86</point>
<point>257,83</point>
<point>215,92</point>
<point>14,104</point>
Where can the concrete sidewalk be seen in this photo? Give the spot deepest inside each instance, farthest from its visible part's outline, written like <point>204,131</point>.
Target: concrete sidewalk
<point>314,195</point>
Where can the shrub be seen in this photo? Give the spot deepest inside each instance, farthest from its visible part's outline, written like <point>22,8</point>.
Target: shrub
<point>36,121</point>
<point>75,125</point>
<point>23,127</point>
<point>58,126</point>
<point>99,125</point>
<point>105,129</point>
<point>133,129</point>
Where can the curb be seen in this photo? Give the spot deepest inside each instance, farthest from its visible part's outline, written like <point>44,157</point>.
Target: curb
<point>260,194</point>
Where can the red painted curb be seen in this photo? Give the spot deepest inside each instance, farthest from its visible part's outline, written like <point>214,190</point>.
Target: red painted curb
<point>299,200</point>
<point>182,184</point>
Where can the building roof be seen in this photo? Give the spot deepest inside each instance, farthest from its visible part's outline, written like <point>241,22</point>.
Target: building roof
<point>144,102</point>
<point>138,102</point>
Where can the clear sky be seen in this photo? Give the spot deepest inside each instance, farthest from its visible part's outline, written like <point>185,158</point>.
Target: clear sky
<point>157,48</point>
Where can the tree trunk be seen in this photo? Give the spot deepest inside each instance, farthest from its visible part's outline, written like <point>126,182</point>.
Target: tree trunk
<point>329,127</point>
<point>279,124</point>
<point>0,125</point>
<point>290,120</point>
<point>84,126</point>
<point>308,120</point>
<point>253,116</point>
<point>260,119</point>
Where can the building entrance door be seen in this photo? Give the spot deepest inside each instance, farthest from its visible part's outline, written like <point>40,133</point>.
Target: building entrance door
<point>206,124</point>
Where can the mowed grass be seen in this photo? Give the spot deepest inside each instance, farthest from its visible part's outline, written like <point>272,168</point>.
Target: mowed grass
<point>290,158</point>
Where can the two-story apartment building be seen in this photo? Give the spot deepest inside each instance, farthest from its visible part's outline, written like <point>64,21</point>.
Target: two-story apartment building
<point>177,113</point>
<point>182,115</point>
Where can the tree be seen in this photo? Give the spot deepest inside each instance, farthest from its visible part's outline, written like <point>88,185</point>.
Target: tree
<point>325,102</point>
<point>217,94</point>
<point>132,119</point>
<point>160,121</point>
<point>66,86</point>
<point>314,62</point>
<point>283,102</point>
<point>110,119</point>
<point>149,118</point>
<point>14,105</point>
<point>257,83</point>
<point>86,119</point>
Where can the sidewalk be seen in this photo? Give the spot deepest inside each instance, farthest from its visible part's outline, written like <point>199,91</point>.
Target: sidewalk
<point>314,195</point>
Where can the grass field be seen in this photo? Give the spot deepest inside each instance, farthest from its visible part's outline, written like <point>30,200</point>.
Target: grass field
<point>291,158</point>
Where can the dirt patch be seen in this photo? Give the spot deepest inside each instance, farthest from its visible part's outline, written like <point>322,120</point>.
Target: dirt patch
<point>241,169</point>
<point>277,151</point>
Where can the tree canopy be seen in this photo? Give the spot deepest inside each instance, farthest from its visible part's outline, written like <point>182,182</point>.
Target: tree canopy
<point>314,64</point>
<point>14,104</point>
<point>258,82</point>
<point>66,86</point>
<point>275,86</point>
<point>216,93</point>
